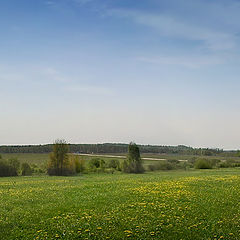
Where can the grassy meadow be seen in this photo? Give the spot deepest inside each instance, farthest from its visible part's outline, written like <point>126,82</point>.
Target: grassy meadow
<point>30,158</point>
<point>195,204</point>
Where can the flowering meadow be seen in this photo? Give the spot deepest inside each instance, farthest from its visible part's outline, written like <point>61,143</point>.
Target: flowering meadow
<point>161,205</point>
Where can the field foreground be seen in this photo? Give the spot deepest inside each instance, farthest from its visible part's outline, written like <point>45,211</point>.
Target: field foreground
<point>164,205</point>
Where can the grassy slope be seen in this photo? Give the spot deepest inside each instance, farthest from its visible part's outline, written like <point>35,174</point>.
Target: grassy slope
<point>164,205</point>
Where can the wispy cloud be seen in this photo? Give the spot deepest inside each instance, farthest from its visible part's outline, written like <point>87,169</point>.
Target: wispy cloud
<point>171,26</point>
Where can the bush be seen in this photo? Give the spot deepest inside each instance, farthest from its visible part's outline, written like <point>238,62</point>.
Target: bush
<point>65,171</point>
<point>94,163</point>
<point>79,165</point>
<point>115,164</point>
<point>203,164</point>
<point>152,167</point>
<point>214,162</point>
<point>26,169</point>
<point>185,165</point>
<point>75,164</point>
<point>132,167</point>
<point>225,165</point>
<point>236,164</point>
<point>169,165</point>
<point>97,165</point>
<point>165,165</point>
<point>15,163</point>
<point>7,170</point>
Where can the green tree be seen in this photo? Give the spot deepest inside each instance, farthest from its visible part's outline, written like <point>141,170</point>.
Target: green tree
<point>15,163</point>
<point>77,164</point>
<point>6,170</point>
<point>59,164</point>
<point>114,163</point>
<point>133,163</point>
<point>94,163</point>
<point>26,169</point>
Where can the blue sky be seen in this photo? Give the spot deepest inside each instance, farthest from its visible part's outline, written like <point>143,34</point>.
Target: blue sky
<point>90,71</point>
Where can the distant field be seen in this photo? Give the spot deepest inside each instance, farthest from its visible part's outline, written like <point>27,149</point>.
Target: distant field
<point>31,158</point>
<point>187,157</point>
<point>41,159</point>
<point>163,205</point>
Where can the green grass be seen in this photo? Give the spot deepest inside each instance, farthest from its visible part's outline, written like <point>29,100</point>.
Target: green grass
<point>163,205</point>
<point>42,158</point>
<point>30,158</point>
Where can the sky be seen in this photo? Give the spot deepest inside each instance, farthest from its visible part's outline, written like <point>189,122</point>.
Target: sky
<point>162,72</point>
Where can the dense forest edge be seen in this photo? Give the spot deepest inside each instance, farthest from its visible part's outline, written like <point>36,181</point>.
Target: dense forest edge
<point>112,148</point>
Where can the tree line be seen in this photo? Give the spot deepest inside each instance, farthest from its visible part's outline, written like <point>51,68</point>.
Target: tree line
<point>112,148</point>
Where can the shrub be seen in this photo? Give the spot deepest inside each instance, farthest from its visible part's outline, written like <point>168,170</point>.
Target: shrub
<point>80,165</point>
<point>236,164</point>
<point>97,165</point>
<point>94,163</point>
<point>115,164</point>
<point>7,170</point>
<point>152,167</point>
<point>102,164</point>
<point>185,165</point>
<point>225,165</point>
<point>26,169</point>
<point>169,165</point>
<point>161,165</point>
<point>203,164</point>
<point>164,165</point>
<point>214,162</point>
<point>75,164</point>
<point>66,171</point>
<point>15,163</point>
